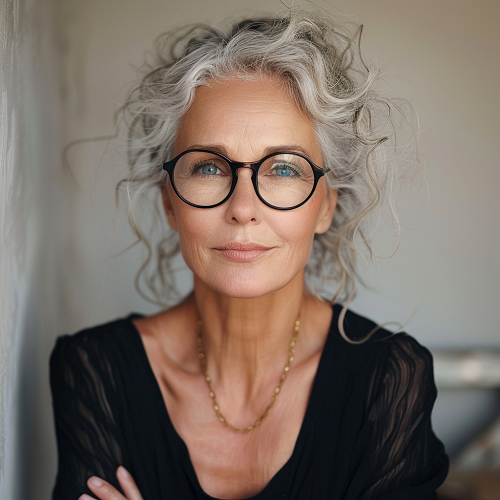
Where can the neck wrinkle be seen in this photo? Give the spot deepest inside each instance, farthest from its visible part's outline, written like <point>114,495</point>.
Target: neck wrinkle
<point>246,341</point>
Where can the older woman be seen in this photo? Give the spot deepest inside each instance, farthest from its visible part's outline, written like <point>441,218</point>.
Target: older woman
<point>262,143</point>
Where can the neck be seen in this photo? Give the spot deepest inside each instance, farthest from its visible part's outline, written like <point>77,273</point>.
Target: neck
<point>245,341</point>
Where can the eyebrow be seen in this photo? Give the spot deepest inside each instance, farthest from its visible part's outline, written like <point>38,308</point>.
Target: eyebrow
<point>217,148</point>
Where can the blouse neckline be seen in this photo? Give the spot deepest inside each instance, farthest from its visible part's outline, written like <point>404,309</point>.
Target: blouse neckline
<point>282,473</point>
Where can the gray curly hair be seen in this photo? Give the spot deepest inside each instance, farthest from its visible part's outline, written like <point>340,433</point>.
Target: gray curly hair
<point>321,66</point>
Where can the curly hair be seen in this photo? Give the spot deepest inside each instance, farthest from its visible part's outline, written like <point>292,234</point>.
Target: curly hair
<point>321,66</point>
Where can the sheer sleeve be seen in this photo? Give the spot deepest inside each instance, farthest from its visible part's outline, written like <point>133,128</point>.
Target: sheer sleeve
<point>88,437</point>
<point>405,460</point>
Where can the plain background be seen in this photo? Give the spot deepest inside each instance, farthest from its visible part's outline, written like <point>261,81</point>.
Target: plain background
<point>67,65</point>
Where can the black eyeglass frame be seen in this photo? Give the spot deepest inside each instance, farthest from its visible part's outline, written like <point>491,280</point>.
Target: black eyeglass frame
<point>169,166</point>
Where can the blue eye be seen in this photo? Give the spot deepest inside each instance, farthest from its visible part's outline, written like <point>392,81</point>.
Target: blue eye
<point>209,169</point>
<point>283,171</point>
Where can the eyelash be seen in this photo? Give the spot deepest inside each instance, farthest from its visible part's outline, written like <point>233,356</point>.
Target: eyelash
<point>200,164</point>
<point>288,165</point>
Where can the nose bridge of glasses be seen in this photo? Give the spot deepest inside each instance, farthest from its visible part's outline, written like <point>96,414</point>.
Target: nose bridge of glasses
<point>245,165</point>
<point>249,178</point>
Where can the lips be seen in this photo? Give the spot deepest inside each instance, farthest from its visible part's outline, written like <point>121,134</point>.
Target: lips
<point>242,252</point>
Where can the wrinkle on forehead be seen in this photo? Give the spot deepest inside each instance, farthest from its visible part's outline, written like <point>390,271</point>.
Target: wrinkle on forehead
<point>246,117</point>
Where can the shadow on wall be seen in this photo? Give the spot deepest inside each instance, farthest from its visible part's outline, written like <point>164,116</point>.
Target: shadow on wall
<point>31,243</point>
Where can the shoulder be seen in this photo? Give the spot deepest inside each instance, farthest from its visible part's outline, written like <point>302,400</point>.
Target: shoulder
<point>97,336</point>
<point>92,348</point>
<point>396,393</point>
<point>381,341</point>
<point>386,359</point>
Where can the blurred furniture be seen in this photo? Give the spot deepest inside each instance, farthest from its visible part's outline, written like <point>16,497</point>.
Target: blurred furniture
<point>475,471</point>
<point>470,368</point>
<point>471,484</point>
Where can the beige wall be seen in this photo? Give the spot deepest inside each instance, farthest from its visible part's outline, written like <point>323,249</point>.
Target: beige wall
<point>444,54</point>
<point>440,54</point>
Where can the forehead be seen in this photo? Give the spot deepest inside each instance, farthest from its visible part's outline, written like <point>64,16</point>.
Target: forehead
<point>245,117</point>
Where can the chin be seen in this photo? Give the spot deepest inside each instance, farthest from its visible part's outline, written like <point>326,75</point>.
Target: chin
<point>246,284</point>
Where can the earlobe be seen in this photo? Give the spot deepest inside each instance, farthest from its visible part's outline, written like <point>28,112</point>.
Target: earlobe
<point>169,209</point>
<point>326,213</point>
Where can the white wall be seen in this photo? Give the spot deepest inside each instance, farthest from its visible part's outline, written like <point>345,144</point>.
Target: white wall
<point>440,54</point>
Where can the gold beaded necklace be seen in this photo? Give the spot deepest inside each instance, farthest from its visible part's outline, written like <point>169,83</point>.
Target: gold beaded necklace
<point>222,419</point>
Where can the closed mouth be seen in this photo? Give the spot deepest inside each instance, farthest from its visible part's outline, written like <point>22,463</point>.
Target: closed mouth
<point>242,252</point>
<point>242,246</point>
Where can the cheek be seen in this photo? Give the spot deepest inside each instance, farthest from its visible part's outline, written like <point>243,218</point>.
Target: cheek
<point>296,228</point>
<point>300,229</point>
<point>195,230</point>
<point>194,236</point>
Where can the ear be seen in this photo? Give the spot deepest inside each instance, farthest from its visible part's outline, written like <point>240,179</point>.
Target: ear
<point>326,212</point>
<point>168,207</point>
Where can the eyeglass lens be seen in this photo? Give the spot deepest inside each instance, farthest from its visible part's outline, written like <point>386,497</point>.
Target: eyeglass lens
<point>284,180</point>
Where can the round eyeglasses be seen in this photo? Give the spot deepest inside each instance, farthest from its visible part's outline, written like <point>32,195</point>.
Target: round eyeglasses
<point>205,179</point>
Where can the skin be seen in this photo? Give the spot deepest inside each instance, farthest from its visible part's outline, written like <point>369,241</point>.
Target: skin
<point>248,308</point>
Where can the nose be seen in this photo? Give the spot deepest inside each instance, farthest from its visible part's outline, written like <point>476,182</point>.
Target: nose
<point>244,206</point>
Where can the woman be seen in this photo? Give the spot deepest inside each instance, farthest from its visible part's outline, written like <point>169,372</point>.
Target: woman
<point>253,386</point>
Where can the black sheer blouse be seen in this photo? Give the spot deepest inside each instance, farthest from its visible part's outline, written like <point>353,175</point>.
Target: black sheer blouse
<point>366,433</point>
